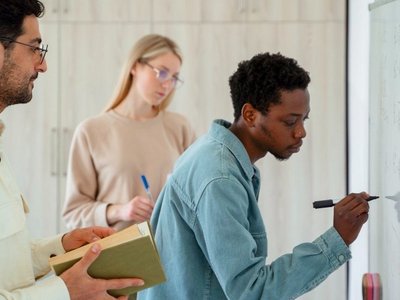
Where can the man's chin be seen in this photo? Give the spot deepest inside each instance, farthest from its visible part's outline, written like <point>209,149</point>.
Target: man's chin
<point>281,157</point>
<point>24,100</point>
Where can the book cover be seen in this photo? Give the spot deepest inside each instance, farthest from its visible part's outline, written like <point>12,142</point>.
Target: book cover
<point>130,252</point>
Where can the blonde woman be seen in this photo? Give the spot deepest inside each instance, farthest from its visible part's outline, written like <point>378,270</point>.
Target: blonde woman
<point>134,136</point>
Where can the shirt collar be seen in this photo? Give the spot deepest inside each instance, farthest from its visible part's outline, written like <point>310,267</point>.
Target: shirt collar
<point>220,131</point>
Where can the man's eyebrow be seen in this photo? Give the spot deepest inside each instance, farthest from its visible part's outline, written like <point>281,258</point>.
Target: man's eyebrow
<point>295,115</point>
<point>36,40</point>
<point>299,115</point>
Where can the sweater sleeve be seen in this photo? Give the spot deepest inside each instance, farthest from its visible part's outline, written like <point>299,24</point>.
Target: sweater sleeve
<point>81,208</point>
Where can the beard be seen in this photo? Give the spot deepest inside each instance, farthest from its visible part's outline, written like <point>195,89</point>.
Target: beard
<point>14,87</point>
<point>271,150</point>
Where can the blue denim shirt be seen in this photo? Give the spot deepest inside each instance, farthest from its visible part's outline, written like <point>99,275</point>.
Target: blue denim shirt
<point>211,236</point>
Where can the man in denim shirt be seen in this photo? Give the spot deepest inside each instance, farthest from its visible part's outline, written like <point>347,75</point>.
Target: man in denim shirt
<point>207,223</point>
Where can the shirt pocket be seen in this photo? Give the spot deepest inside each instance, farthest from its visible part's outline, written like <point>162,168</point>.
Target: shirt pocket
<point>12,218</point>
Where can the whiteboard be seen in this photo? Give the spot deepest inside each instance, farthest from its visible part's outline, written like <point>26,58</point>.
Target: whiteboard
<point>384,148</point>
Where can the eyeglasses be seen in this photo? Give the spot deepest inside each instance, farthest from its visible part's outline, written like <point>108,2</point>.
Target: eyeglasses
<point>42,49</point>
<point>164,75</point>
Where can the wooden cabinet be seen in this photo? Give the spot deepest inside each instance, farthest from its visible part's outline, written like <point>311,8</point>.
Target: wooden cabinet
<point>89,41</point>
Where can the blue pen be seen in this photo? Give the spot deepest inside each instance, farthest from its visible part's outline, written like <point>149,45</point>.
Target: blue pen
<point>146,187</point>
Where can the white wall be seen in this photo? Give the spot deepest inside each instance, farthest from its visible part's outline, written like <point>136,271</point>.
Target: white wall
<point>358,87</point>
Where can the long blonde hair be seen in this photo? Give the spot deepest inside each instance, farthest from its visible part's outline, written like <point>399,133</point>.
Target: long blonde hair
<point>148,47</point>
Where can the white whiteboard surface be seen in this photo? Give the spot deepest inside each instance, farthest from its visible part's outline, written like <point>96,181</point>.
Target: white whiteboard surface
<point>384,161</point>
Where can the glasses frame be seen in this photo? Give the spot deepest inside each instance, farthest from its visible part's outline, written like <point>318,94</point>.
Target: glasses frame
<point>176,81</point>
<point>43,48</point>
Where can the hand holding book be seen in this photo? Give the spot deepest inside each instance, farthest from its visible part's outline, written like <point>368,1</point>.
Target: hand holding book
<point>129,253</point>
<point>79,237</point>
<point>77,276</point>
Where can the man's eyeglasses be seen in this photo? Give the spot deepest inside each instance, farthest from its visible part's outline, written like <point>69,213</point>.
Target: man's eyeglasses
<point>42,49</point>
<point>164,75</point>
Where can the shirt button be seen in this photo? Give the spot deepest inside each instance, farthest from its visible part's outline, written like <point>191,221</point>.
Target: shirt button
<point>341,258</point>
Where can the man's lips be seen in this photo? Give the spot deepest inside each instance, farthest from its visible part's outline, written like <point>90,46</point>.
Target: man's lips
<point>296,147</point>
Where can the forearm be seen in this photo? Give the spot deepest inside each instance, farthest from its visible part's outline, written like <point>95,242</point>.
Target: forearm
<point>306,267</point>
<point>78,214</point>
<point>289,276</point>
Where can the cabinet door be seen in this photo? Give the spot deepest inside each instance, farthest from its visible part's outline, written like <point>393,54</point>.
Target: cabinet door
<point>92,55</point>
<point>210,55</point>
<point>30,140</point>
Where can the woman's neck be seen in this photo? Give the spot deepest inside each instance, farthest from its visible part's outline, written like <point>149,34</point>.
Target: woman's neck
<point>135,109</point>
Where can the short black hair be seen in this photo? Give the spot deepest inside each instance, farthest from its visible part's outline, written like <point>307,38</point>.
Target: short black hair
<point>12,15</point>
<point>260,81</point>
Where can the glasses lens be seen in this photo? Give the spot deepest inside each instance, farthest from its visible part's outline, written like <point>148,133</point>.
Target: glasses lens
<point>43,51</point>
<point>163,75</point>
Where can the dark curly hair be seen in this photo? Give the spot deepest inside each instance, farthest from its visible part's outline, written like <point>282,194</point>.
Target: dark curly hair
<point>260,81</point>
<point>12,14</point>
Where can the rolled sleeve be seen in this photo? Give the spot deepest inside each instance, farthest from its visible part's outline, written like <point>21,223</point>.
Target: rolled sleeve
<point>42,250</point>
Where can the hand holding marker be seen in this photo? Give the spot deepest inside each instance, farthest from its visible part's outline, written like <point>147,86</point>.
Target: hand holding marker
<point>146,187</point>
<point>329,202</point>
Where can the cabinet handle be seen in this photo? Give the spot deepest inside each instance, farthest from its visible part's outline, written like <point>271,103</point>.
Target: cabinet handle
<point>54,9</point>
<point>241,6</point>
<point>65,150</point>
<point>253,6</point>
<point>53,152</point>
<point>66,6</point>
<point>54,5</point>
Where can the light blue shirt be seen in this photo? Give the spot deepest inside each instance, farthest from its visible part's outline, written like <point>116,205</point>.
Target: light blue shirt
<point>211,236</point>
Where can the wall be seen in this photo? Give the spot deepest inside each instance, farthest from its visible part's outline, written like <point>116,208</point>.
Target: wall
<point>384,158</point>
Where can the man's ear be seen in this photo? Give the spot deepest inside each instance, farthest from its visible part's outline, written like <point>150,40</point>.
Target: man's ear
<point>249,114</point>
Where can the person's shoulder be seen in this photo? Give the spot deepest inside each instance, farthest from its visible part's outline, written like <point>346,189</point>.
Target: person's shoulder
<point>93,124</point>
<point>175,117</point>
<point>94,121</point>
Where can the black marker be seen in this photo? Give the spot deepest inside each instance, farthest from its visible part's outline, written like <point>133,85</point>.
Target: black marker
<point>329,203</point>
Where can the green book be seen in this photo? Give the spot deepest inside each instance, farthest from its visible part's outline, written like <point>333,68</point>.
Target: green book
<point>130,252</point>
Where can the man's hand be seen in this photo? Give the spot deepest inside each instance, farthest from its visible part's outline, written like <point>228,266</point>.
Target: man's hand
<point>350,214</point>
<point>80,237</point>
<point>83,287</point>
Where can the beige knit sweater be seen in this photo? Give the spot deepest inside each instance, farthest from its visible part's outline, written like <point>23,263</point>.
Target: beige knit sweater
<point>108,155</point>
